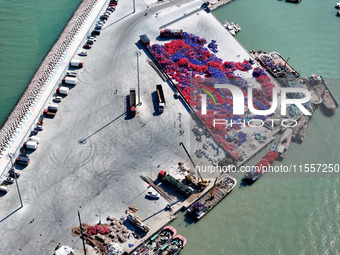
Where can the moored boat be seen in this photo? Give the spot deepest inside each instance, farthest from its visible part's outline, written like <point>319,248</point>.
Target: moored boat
<point>261,167</point>
<point>156,242</point>
<point>205,204</point>
<point>174,247</point>
<point>328,101</point>
<point>284,143</point>
<point>300,130</point>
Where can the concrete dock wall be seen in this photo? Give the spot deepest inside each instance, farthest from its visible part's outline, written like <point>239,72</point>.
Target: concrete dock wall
<point>24,115</point>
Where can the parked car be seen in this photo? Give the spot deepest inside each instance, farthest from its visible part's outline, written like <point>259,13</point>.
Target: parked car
<point>151,194</point>
<point>9,180</point>
<point>11,174</point>
<point>89,41</point>
<point>98,27</point>
<point>57,99</point>
<point>105,17</point>
<point>34,132</point>
<point>95,32</point>
<point>22,160</point>
<point>39,128</point>
<point>3,189</point>
<point>87,46</point>
<point>83,53</point>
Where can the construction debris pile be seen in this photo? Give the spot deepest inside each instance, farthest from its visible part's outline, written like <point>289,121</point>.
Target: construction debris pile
<point>104,237</point>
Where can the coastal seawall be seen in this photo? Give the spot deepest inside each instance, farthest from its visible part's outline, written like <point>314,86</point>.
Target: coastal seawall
<point>43,75</point>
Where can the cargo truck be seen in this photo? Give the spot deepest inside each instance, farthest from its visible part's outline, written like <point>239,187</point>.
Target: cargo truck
<point>172,33</point>
<point>76,63</point>
<point>69,80</point>
<point>63,90</point>
<point>31,145</point>
<point>161,99</point>
<point>176,184</point>
<point>51,110</point>
<point>133,103</point>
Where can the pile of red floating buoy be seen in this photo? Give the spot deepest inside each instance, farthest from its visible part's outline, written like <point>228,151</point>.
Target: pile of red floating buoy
<point>267,160</point>
<point>93,230</point>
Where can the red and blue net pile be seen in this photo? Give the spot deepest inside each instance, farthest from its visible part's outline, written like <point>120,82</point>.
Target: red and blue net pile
<point>187,61</point>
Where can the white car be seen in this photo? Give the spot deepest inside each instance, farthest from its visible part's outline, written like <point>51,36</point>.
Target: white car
<point>152,194</point>
<point>57,99</point>
<point>83,53</point>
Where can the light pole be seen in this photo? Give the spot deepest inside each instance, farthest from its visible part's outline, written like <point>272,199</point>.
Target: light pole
<point>82,234</point>
<point>138,53</point>
<point>134,6</point>
<point>10,155</point>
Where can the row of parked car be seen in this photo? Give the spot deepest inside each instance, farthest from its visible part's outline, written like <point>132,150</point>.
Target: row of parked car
<point>69,79</point>
<point>99,25</point>
<point>23,158</point>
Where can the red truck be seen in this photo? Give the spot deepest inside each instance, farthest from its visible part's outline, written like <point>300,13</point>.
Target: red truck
<point>51,110</point>
<point>133,103</point>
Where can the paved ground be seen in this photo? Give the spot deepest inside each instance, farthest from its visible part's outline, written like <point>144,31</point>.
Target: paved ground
<point>92,154</point>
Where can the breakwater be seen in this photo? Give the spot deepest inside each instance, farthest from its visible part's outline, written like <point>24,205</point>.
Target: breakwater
<point>43,74</point>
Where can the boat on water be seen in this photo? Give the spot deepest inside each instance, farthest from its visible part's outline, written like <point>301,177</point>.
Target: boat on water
<point>174,247</point>
<point>220,190</point>
<point>159,240</point>
<point>229,27</point>
<point>337,5</point>
<point>284,143</point>
<point>292,82</point>
<point>300,130</point>
<point>328,101</point>
<point>235,26</point>
<point>275,64</point>
<point>260,168</point>
<point>315,99</point>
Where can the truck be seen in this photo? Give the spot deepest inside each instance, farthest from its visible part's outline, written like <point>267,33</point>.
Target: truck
<point>34,139</point>
<point>145,40</point>
<point>176,184</point>
<point>133,103</point>
<point>76,63</point>
<point>51,110</point>
<point>161,99</point>
<point>69,80</point>
<point>31,145</point>
<point>172,33</point>
<point>63,90</point>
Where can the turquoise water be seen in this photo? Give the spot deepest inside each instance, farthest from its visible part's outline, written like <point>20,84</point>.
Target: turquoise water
<point>275,215</point>
<point>28,30</point>
<point>286,215</point>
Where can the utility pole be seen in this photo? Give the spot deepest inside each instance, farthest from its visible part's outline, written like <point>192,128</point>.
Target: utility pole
<point>82,235</point>
<point>187,154</point>
<point>138,53</point>
<point>15,178</point>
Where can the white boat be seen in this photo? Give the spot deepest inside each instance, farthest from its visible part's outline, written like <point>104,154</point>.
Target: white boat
<point>237,27</point>
<point>337,5</point>
<point>338,13</point>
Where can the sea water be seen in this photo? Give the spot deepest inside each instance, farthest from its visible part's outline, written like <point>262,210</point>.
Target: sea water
<point>28,29</point>
<point>282,215</point>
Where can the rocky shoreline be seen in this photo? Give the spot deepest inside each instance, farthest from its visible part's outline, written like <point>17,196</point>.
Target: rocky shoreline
<point>43,73</point>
